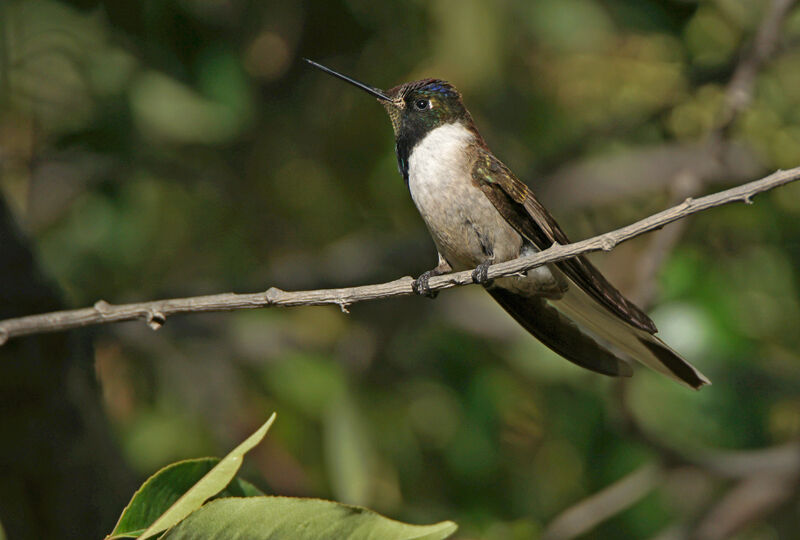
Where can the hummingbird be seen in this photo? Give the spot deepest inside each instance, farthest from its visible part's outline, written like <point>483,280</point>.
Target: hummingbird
<point>479,213</point>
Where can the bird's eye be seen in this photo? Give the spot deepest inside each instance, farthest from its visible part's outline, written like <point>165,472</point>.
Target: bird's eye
<point>422,104</point>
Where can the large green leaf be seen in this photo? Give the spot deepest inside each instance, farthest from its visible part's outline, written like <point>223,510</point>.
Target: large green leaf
<point>177,490</point>
<point>299,519</point>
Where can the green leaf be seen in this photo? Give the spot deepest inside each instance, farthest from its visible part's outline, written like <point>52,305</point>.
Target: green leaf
<point>162,489</point>
<point>240,488</point>
<point>299,519</point>
<point>178,489</point>
<point>158,493</point>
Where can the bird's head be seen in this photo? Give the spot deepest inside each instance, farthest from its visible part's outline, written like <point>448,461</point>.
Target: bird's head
<point>415,108</point>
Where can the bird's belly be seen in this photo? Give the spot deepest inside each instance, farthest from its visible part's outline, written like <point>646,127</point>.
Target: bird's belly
<point>466,228</point>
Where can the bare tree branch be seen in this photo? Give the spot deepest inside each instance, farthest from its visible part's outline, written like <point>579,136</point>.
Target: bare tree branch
<point>739,92</point>
<point>605,179</point>
<point>595,509</point>
<point>156,312</point>
<point>751,499</point>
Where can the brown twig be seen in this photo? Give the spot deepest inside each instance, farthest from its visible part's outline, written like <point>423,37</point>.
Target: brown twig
<point>156,312</point>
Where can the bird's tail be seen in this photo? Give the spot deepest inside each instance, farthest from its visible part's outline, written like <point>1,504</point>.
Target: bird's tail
<point>559,333</point>
<point>632,342</point>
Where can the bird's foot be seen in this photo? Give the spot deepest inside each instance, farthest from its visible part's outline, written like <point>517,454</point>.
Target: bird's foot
<point>421,286</point>
<point>481,274</point>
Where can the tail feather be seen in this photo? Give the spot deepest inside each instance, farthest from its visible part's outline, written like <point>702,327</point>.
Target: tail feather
<point>679,367</point>
<point>560,334</point>
<point>632,342</point>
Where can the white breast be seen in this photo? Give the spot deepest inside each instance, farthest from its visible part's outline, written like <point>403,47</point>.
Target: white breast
<point>465,226</point>
<point>439,161</point>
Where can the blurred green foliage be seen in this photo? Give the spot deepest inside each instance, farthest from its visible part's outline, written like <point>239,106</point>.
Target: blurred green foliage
<point>179,147</point>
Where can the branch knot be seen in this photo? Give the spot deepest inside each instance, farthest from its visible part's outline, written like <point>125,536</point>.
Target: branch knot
<point>273,295</point>
<point>155,319</point>
<point>102,307</point>
<point>607,243</point>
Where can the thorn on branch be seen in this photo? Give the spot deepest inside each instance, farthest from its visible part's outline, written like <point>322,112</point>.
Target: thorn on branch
<point>343,306</point>
<point>747,199</point>
<point>155,320</point>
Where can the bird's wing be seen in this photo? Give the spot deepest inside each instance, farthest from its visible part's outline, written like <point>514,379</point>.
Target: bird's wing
<point>520,208</point>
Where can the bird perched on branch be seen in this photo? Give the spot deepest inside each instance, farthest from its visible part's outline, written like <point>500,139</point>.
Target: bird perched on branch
<point>478,213</point>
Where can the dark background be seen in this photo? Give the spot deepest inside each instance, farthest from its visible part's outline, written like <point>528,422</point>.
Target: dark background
<point>167,148</point>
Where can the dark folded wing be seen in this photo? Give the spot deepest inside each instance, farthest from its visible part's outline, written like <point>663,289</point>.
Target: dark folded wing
<point>560,334</point>
<point>524,212</point>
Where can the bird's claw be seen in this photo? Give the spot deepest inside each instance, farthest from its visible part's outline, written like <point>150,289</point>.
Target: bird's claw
<point>481,274</point>
<point>421,286</point>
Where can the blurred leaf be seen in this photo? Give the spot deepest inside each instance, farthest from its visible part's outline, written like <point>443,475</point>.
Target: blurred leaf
<point>434,412</point>
<point>168,110</point>
<point>696,116</point>
<point>570,25</point>
<point>348,452</point>
<point>630,78</point>
<point>559,468</point>
<point>222,79</point>
<point>159,435</point>
<point>50,51</point>
<point>710,36</point>
<point>307,382</point>
<point>300,519</point>
<point>460,52</point>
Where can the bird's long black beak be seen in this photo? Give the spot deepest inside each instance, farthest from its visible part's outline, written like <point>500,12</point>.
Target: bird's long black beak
<point>378,93</point>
